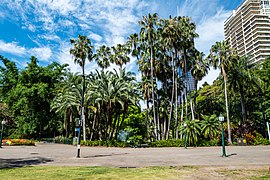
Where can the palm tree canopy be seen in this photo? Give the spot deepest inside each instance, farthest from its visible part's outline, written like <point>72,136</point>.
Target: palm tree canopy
<point>82,50</point>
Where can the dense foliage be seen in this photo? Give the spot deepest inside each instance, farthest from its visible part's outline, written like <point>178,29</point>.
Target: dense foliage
<point>44,102</point>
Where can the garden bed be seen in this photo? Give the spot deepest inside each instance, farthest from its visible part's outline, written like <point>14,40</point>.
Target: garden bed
<point>18,142</point>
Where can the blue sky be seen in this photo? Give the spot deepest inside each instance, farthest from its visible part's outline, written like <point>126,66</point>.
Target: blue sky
<point>43,28</point>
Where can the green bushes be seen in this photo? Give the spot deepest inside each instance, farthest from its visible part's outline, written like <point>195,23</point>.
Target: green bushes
<point>259,140</point>
<point>167,143</point>
<point>114,143</point>
<point>62,140</point>
<point>205,143</point>
<point>111,143</point>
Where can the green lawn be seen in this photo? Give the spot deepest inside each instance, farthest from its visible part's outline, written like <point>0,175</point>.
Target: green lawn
<point>49,172</point>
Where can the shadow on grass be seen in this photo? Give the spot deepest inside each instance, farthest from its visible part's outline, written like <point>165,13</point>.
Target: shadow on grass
<point>21,162</point>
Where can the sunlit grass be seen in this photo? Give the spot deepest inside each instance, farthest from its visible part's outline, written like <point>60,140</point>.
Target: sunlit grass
<point>49,172</point>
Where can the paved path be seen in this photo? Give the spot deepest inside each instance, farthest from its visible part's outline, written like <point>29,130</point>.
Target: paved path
<point>65,155</point>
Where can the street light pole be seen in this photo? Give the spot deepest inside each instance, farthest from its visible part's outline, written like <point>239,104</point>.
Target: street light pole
<point>221,119</point>
<point>78,129</point>
<point>185,135</point>
<point>2,131</point>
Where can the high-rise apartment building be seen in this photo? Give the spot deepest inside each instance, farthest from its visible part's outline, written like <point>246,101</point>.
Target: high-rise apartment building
<point>248,29</point>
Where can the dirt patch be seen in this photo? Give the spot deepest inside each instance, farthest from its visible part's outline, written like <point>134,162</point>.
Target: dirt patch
<point>231,172</point>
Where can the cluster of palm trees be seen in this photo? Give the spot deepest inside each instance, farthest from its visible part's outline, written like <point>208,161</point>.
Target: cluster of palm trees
<point>170,66</point>
<point>167,59</point>
<point>101,97</point>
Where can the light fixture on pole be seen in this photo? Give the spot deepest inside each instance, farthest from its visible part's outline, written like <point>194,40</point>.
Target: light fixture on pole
<point>221,119</point>
<point>2,132</point>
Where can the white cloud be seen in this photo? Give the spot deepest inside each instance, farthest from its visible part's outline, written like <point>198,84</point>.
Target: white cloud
<point>95,37</point>
<point>63,7</point>
<point>65,58</point>
<point>12,48</point>
<point>211,30</point>
<point>50,37</point>
<point>43,53</point>
<point>209,17</point>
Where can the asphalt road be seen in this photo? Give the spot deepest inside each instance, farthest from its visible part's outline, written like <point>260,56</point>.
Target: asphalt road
<point>65,155</point>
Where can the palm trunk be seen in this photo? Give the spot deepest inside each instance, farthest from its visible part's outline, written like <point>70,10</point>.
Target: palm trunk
<point>243,104</point>
<point>227,106</point>
<point>93,126</point>
<point>176,108</point>
<point>182,109</point>
<point>172,97</point>
<point>191,104</point>
<point>195,95</point>
<point>153,92</point>
<point>82,105</point>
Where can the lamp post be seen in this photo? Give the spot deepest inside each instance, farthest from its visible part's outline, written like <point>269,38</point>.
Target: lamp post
<point>221,119</point>
<point>78,129</point>
<point>3,124</point>
<point>185,135</point>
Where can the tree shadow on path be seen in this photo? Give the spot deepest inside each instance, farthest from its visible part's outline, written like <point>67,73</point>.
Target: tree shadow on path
<point>21,162</point>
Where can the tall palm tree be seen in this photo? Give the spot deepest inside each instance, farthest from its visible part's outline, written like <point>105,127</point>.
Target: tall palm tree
<point>221,57</point>
<point>148,35</point>
<point>170,37</point>
<point>82,50</point>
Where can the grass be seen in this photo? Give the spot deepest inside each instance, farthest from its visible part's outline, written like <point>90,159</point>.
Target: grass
<point>185,172</point>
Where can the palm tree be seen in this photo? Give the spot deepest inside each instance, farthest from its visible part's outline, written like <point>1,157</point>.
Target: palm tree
<point>199,69</point>
<point>241,76</point>
<point>221,57</point>
<point>120,55</point>
<point>210,126</point>
<point>133,45</point>
<point>148,35</point>
<point>193,130</point>
<point>103,56</point>
<point>67,98</point>
<point>82,50</point>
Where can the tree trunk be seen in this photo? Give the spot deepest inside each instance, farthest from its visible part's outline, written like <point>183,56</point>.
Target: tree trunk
<point>227,106</point>
<point>93,126</point>
<point>153,92</point>
<point>82,105</point>
<point>176,108</point>
<point>182,109</point>
<point>172,97</point>
<point>243,104</point>
<point>191,104</point>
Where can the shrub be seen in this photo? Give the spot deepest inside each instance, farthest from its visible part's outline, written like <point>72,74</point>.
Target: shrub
<point>167,143</point>
<point>203,143</point>
<point>109,143</point>
<point>250,138</point>
<point>18,142</point>
<point>261,141</point>
<point>62,140</point>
